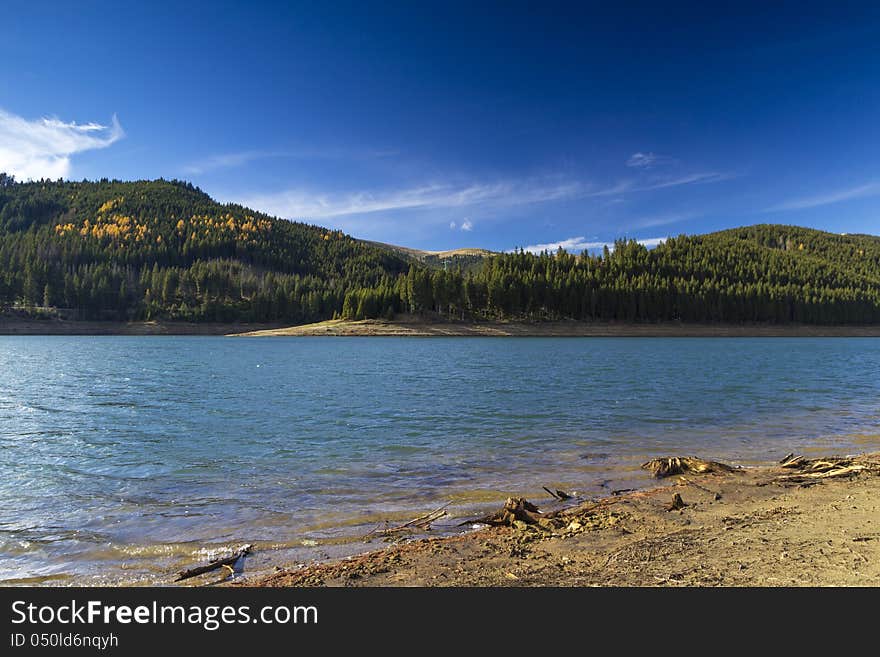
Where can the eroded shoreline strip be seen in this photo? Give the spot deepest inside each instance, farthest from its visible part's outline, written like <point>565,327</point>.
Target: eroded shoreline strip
<point>754,527</point>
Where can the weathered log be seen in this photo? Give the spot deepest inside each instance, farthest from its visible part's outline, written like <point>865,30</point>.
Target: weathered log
<point>676,465</point>
<point>823,474</point>
<point>214,565</point>
<point>792,461</point>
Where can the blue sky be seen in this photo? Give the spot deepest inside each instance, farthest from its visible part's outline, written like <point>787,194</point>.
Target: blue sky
<point>461,124</point>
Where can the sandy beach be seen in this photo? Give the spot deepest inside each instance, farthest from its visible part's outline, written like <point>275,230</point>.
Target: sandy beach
<point>407,326</point>
<point>768,526</point>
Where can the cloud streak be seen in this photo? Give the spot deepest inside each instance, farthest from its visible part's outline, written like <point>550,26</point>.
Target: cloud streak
<point>641,160</point>
<point>302,204</point>
<point>648,160</point>
<point>578,244</point>
<point>241,158</point>
<point>633,186</point>
<point>227,160</point>
<point>862,191</point>
<point>662,219</point>
<point>310,205</point>
<point>42,148</point>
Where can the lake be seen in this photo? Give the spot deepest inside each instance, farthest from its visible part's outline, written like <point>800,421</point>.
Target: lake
<point>126,458</point>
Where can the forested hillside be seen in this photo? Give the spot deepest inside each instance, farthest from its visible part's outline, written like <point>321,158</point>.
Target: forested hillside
<point>764,273</point>
<point>165,250</point>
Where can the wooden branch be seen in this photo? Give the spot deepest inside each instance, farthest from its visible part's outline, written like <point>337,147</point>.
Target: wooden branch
<point>420,522</point>
<point>621,491</point>
<point>558,494</point>
<point>214,565</point>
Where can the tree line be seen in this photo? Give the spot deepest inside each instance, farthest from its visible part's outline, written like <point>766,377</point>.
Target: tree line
<point>115,250</point>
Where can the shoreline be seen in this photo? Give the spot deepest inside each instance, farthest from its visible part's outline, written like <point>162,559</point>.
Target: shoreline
<point>408,326</point>
<point>760,526</point>
<point>19,326</point>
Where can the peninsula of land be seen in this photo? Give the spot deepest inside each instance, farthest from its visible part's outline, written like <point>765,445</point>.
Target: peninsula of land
<point>409,326</point>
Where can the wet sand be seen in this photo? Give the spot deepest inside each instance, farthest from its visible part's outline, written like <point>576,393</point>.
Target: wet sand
<point>747,528</point>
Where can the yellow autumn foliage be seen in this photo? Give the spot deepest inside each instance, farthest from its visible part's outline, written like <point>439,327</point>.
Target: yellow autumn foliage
<point>121,228</point>
<point>111,205</point>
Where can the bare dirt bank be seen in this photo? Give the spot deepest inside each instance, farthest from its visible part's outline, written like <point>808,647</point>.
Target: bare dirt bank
<point>748,528</point>
<point>415,327</point>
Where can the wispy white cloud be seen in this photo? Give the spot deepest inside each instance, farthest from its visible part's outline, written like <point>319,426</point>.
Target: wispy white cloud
<point>578,244</point>
<point>240,158</point>
<point>633,186</point>
<point>641,160</point>
<point>648,160</point>
<point>702,178</point>
<point>312,205</point>
<point>862,191</point>
<point>651,242</point>
<point>227,160</point>
<point>302,204</point>
<point>661,219</point>
<point>467,225</point>
<point>42,148</point>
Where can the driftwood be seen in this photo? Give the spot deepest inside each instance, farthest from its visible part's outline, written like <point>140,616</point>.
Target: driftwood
<point>809,471</point>
<point>558,494</point>
<point>520,513</point>
<point>677,503</point>
<point>422,522</point>
<point>214,565</point>
<point>515,508</point>
<point>676,465</point>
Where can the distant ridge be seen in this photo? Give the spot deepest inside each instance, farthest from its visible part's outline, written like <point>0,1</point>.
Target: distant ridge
<point>467,257</point>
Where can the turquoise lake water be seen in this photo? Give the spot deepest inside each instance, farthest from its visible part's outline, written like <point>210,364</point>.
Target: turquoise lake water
<point>126,458</point>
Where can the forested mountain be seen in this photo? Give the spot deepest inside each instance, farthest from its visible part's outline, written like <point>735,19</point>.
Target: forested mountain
<point>165,250</point>
<point>764,273</point>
